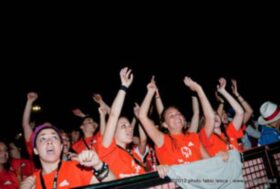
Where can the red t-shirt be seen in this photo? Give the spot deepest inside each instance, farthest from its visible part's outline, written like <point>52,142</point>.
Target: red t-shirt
<point>24,167</point>
<point>214,144</point>
<point>70,175</point>
<point>8,180</point>
<point>91,142</point>
<point>178,149</point>
<point>119,161</point>
<point>28,145</point>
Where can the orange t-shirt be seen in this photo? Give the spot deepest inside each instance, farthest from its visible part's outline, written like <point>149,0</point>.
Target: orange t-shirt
<point>214,144</point>
<point>178,149</point>
<point>70,175</point>
<point>119,161</point>
<point>91,142</point>
<point>8,180</point>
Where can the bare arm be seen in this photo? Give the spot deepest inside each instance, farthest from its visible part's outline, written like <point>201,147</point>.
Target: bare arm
<point>102,117</point>
<point>195,117</point>
<point>248,109</point>
<point>27,129</point>
<point>142,135</point>
<point>89,158</point>
<point>126,80</point>
<point>78,112</point>
<point>156,135</point>
<point>239,112</point>
<point>203,152</point>
<point>159,103</point>
<point>221,101</point>
<point>99,100</point>
<point>206,107</point>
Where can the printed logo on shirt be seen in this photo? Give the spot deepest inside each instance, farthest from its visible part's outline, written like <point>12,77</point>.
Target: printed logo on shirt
<point>186,151</point>
<point>64,183</point>
<point>190,144</point>
<point>7,182</point>
<point>135,166</point>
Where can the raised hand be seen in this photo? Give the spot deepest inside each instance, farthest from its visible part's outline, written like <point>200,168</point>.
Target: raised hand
<point>136,109</point>
<point>234,87</point>
<point>32,96</point>
<point>194,86</point>
<point>222,85</point>
<point>97,98</point>
<point>219,98</point>
<point>152,85</point>
<point>78,112</point>
<point>126,77</point>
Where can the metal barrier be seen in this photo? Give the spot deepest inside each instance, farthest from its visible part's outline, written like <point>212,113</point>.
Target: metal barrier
<point>261,169</point>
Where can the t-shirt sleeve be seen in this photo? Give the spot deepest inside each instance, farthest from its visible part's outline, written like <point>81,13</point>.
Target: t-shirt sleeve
<point>205,140</point>
<point>104,152</point>
<point>233,133</point>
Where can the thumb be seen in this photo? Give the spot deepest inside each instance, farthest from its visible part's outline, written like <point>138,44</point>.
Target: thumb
<point>75,158</point>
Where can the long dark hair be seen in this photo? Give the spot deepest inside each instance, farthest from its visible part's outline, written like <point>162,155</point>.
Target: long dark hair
<point>6,165</point>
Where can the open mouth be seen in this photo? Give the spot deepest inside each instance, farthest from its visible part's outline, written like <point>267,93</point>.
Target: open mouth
<point>50,151</point>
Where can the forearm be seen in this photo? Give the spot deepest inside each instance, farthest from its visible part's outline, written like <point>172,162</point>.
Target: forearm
<point>195,116</point>
<point>159,104</point>
<point>113,118</point>
<point>248,109</point>
<point>26,120</point>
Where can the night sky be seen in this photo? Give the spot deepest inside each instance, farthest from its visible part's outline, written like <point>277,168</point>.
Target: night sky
<point>62,89</point>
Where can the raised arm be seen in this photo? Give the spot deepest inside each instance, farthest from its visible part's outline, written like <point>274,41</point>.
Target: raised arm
<point>102,116</point>
<point>206,107</point>
<point>27,129</point>
<point>221,101</point>
<point>147,123</point>
<point>248,109</point>
<point>142,135</point>
<point>159,103</point>
<point>195,117</point>
<point>99,100</point>
<point>103,110</point>
<point>78,112</point>
<point>239,112</point>
<point>126,80</point>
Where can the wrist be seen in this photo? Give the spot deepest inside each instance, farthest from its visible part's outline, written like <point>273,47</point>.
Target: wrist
<point>98,166</point>
<point>124,88</point>
<point>102,172</point>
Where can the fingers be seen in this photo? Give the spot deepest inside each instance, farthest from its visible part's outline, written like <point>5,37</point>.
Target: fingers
<point>223,155</point>
<point>153,78</point>
<point>29,182</point>
<point>162,170</point>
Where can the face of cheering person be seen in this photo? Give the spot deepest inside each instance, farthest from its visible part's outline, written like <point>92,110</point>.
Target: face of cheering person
<point>124,132</point>
<point>48,145</point>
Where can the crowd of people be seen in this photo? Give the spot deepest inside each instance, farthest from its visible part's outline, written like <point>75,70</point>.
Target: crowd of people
<point>119,147</point>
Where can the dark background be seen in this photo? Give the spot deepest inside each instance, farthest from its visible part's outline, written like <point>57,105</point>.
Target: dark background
<point>64,86</point>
